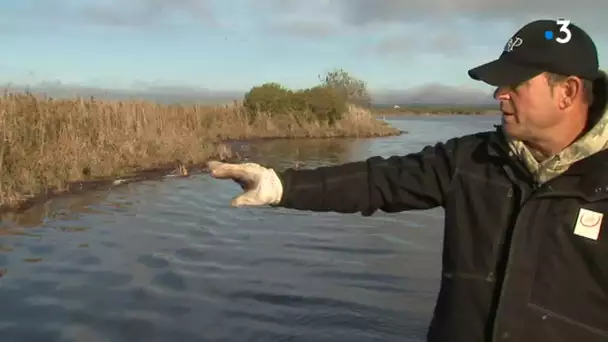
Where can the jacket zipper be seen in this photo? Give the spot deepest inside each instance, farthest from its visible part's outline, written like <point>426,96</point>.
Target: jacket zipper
<point>491,277</point>
<point>524,199</point>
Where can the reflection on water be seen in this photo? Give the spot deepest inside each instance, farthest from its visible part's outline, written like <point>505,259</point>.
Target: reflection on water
<point>170,260</point>
<point>301,153</point>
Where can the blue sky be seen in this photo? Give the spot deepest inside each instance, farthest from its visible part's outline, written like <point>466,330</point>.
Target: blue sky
<point>235,44</point>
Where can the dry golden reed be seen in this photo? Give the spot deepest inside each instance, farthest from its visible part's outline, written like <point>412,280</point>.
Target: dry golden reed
<point>46,143</point>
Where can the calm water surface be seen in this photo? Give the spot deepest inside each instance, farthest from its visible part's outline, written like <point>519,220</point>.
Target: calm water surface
<point>171,261</point>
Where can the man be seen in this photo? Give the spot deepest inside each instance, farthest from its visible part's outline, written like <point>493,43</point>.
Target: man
<point>525,254</point>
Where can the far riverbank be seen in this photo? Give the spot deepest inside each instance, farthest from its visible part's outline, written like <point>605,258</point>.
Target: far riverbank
<point>435,110</point>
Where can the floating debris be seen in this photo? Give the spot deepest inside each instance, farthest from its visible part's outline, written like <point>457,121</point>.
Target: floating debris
<point>183,170</point>
<point>32,260</point>
<point>74,229</point>
<point>5,249</point>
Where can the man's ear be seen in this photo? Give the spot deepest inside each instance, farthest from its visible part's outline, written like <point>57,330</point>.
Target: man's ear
<point>567,91</point>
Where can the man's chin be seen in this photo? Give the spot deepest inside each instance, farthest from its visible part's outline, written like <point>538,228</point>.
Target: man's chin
<point>510,128</point>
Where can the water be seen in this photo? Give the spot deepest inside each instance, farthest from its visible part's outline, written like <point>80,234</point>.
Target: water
<point>171,261</point>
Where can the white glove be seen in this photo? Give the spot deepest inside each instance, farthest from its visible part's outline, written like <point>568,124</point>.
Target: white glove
<point>262,185</point>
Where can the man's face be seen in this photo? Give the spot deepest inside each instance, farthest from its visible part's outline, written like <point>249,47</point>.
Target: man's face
<point>529,109</point>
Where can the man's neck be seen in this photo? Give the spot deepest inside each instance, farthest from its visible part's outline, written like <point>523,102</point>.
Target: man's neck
<point>561,136</point>
<point>547,149</point>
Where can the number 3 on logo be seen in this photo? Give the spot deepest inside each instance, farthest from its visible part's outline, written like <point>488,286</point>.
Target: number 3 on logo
<point>563,27</point>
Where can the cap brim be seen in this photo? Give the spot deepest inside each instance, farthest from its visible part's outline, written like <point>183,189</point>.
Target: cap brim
<point>502,72</point>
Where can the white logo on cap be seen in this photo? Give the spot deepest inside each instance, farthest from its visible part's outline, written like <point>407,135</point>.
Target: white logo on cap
<point>513,43</point>
<point>563,27</point>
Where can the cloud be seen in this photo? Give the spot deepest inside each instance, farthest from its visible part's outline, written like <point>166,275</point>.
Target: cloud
<point>365,12</point>
<point>145,91</point>
<point>315,18</point>
<point>298,7</point>
<point>434,94</point>
<point>413,44</point>
<point>427,94</point>
<point>415,28</point>
<point>360,13</point>
<point>115,13</point>
<point>304,28</point>
<point>148,12</point>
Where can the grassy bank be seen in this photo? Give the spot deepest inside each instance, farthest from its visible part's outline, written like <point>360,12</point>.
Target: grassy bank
<point>434,110</point>
<point>48,143</point>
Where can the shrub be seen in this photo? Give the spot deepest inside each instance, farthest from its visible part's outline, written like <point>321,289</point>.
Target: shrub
<point>271,98</point>
<point>325,103</point>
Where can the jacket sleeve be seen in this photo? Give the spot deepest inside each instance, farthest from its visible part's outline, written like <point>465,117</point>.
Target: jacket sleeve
<point>415,181</point>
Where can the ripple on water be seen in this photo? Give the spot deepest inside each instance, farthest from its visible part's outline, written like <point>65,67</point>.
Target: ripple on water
<point>109,279</point>
<point>191,254</point>
<point>339,249</point>
<point>3,260</point>
<point>89,260</point>
<point>310,314</point>
<point>169,280</point>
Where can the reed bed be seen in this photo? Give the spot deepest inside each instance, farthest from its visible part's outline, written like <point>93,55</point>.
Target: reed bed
<point>48,143</point>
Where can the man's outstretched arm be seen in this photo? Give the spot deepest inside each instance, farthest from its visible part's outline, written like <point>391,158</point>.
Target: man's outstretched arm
<point>415,181</point>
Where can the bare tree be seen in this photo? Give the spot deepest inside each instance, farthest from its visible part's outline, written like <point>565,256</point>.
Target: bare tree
<point>354,89</point>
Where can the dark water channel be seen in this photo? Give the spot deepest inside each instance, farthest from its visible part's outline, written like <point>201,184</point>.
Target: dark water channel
<point>171,261</point>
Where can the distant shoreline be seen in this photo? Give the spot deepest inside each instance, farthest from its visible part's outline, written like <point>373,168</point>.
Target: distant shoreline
<point>434,111</point>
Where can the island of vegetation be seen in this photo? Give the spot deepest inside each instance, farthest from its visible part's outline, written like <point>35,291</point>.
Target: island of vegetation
<point>52,146</point>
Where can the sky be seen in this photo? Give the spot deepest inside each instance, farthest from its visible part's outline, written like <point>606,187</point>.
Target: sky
<point>228,45</point>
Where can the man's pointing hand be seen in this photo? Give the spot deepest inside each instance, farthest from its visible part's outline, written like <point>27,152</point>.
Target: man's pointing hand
<point>261,185</point>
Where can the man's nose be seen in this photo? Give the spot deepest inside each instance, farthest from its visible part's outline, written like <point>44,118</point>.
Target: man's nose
<point>501,94</point>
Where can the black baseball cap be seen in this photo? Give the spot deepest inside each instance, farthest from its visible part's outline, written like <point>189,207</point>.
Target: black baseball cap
<point>542,46</point>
